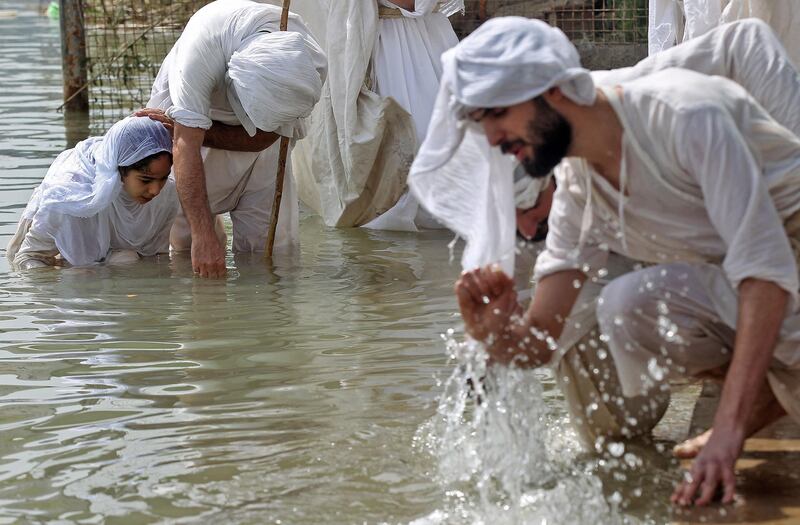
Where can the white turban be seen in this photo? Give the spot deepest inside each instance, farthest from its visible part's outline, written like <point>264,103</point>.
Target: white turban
<point>457,176</point>
<point>271,78</point>
<point>275,79</point>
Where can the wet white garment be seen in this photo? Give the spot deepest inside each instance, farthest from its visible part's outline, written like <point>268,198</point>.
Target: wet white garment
<point>237,42</point>
<point>364,133</point>
<point>407,67</point>
<point>663,322</point>
<point>243,184</point>
<point>707,176</point>
<point>81,211</point>
<point>746,51</point>
<point>674,21</point>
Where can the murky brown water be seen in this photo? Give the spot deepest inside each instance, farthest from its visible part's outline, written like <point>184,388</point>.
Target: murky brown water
<point>280,395</point>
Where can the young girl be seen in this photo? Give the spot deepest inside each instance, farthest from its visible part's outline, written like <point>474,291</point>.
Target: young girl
<point>107,200</point>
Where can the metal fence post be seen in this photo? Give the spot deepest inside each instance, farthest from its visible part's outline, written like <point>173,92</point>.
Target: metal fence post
<point>73,56</point>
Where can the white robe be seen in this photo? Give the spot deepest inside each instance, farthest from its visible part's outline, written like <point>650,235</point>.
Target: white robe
<point>672,22</point>
<point>192,87</point>
<point>383,77</point>
<point>707,176</point>
<point>407,66</point>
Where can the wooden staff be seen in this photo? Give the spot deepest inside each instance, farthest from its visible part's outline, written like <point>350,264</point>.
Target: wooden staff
<point>284,152</point>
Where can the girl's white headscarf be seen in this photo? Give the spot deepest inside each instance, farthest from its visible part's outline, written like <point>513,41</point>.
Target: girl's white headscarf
<point>81,199</point>
<point>457,176</point>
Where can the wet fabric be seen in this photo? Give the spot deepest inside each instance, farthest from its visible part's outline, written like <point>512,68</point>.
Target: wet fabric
<point>664,322</point>
<point>233,65</point>
<point>707,176</point>
<point>80,209</point>
<point>365,132</point>
<point>671,22</point>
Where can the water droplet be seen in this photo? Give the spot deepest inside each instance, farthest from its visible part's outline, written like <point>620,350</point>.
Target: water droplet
<point>655,371</point>
<point>616,449</point>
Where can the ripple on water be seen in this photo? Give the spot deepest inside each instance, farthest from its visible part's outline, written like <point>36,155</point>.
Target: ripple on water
<point>290,392</point>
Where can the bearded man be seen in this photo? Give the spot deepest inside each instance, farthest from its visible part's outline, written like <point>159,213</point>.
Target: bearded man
<point>681,170</point>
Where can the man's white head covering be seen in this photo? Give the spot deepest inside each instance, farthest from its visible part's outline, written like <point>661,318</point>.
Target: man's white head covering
<point>274,79</point>
<point>457,176</point>
<point>81,197</point>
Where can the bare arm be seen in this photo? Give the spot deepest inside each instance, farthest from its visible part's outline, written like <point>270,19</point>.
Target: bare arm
<point>208,257</point>
<point>491,314</point>
<point>762,307</point>
<point>219,136</point>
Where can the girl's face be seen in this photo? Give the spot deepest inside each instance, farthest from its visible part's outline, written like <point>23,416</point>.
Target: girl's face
<point>144,184</point>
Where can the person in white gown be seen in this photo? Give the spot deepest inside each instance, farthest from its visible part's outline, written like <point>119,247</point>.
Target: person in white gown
<point>230,87</point>
<point>109,199</point>
<point>384,71</point>
<point>682,169</point>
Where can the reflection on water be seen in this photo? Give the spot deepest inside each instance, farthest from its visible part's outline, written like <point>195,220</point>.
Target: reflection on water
<point>286,394</point>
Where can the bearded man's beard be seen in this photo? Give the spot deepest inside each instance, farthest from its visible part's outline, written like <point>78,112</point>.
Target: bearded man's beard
<point>550,136</point>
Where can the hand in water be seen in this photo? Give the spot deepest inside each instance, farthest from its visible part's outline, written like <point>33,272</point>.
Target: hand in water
<point>208,257</point>
<point>158,115</point>
<point>712,471</point>
<point>487,300</point>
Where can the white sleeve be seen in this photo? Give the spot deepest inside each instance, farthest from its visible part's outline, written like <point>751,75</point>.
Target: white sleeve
<point>562,247</point>
<point>712,150</point>
<point>36,246</point>
<point>198,67</point>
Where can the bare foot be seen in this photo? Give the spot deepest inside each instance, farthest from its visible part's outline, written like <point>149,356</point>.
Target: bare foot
<point>766,410</point>
<point>690,448</point>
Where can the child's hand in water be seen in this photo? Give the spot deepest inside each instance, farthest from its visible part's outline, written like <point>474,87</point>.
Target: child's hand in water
<point>487,300</point>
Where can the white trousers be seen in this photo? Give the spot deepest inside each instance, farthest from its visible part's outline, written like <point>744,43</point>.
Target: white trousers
<point>662,322</point>
<point>243,184</point>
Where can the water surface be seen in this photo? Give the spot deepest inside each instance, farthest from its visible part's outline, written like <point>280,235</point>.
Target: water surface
<point>292,393</point>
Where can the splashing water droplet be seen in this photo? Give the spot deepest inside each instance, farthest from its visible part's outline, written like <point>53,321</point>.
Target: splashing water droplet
<point>655,371</point>
<point>616,449</point>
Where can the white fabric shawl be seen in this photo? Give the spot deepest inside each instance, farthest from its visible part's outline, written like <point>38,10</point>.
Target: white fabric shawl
<point>81,203</point>
<point>457,176</point>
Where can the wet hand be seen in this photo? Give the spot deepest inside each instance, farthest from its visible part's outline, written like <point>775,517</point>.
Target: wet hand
<point>158,115</point>
<point>208,257</point>
<point>487,301</point>
<point>712,471</point>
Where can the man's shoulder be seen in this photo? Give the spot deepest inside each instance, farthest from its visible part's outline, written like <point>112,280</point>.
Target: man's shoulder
<point>669,100</point>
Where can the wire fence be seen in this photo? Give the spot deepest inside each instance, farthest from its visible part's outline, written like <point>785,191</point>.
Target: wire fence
<point>126,40</point>
<point>597,22</point>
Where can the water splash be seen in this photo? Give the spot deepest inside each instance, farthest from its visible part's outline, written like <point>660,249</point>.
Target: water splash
<point>501,455</point>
